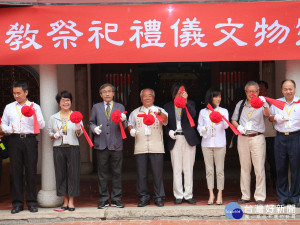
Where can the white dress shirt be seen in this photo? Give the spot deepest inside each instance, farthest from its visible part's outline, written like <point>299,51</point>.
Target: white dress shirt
<point>13,121</point>
<point>294,117</point>
<point>219,140</point>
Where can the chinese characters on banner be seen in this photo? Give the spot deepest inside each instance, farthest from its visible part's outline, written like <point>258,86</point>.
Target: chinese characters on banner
<point>150,33</point>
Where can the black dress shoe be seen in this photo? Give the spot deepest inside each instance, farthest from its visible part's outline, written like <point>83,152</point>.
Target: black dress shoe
<point>297,205</point>
<point>117,204</point>
<point>17,209</point>
<point>64,207</point>
<point>72,209</point>
<point>102,205</point>
<point>32,209</point>
<point>281,204</point>
<point>143,203</point>
<point>178,201</point>
<point>191,201</point>
<point>159,203</point>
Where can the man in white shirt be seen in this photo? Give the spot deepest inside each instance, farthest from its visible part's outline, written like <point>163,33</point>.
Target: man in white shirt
<point>287,142</point>
<point>23,147</point>
<point>252,144</point>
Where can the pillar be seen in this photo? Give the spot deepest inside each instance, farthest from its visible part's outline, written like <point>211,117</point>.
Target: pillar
<point>82,105</point>
<point>48,89</point>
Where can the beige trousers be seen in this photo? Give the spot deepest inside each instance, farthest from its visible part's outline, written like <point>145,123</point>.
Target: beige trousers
<point>252,149</point>
<point>183,159</point>
<point>214,156</point>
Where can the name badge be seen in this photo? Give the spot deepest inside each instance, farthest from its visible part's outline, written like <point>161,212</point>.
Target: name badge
<point>20,127</point>
<point>248,125</point>
<point>147,130</point>
<point>65,139</point>
<point>288,124</point>
<point>178,125</point>
<point>213,132</point>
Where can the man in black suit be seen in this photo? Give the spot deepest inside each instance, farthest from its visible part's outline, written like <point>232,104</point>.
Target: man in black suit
<point>108,143</point>
<point>182,140</point>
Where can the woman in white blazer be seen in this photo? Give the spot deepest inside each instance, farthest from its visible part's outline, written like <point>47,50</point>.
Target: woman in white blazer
<point>213,144</point>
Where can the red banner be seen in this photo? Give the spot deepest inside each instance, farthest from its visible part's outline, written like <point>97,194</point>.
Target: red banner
<point>150,33</point>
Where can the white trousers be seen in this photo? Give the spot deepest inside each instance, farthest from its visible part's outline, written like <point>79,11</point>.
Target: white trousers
<point>183,159</point>
<point>252,149</point>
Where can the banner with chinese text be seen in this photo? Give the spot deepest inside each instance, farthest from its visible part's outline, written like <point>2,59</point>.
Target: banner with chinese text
<point>150,33</point>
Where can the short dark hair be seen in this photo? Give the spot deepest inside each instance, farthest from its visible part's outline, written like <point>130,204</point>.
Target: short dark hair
<point>212,92</point>
<point>282,82</point>
<point>175,87</point>
<point>63,94</point>
<point>107,85</point>
<point>264,83</point>
<point>22,84</point>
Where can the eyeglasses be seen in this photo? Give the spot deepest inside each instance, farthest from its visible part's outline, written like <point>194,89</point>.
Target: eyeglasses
<point>251,91</point>
<point>106,92</point>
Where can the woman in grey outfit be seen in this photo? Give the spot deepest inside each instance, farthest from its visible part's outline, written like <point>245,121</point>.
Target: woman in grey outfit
<point>66,151</point>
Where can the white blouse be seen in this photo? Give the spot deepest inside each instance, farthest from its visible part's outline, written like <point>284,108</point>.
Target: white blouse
<point>217,137</point>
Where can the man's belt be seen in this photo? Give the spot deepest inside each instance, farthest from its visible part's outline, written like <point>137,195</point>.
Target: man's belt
<point>23,135</point>
<point>252,135</point>
<point>289,133</point>
<point>179,133</point>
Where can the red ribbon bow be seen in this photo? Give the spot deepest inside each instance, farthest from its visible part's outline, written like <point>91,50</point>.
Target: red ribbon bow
<point>76,117</point>
<point>116,118</point>
<point>29,111</point>
<point>230,125</point>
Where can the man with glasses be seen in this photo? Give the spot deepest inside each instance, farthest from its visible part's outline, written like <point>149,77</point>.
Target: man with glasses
<point>109,145</point>
<point>287,142</point>
<point>251,144</point>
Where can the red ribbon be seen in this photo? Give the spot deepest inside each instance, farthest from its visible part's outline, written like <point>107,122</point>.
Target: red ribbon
<point>277,103</point>
<point>87,137</point>
<point>159,118</point>
<point>235,131</point>
<point>28,111</point>
<point>76,117</point>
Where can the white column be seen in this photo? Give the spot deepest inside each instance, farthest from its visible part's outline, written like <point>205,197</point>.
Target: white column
<point>48,89</point>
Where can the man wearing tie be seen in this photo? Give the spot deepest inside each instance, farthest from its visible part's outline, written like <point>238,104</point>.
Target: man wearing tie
<point>287,144</point>
<point>109,145</point>
<point>23,147</point>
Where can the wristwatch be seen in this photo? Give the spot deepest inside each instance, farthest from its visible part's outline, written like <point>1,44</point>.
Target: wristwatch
<point>159,112</point>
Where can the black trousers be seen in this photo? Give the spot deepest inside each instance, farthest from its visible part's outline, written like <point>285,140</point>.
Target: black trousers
<point>115,159</point>
<point>156,161</point>
<point>67,170</point>
<point>287,152</point>
<point>23,154</point>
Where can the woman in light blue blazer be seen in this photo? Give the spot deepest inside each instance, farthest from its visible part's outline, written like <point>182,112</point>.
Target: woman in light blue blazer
<point>66,151</point>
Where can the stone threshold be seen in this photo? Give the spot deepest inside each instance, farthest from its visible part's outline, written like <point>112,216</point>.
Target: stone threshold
<point>135,213</point>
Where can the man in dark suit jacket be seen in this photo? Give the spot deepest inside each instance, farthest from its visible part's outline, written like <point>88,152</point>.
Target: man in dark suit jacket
<point>182,140</point>
<point>109,145</point>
